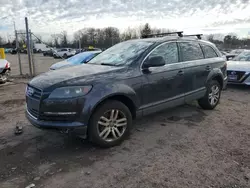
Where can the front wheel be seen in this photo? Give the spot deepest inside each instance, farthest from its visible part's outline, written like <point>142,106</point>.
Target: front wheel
<point>212,96</point>
<point>4,77</point>
<point>110,124</point>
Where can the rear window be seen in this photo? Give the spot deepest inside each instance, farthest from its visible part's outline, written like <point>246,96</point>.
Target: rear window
<point>208,51</point>
<point>190,51</point>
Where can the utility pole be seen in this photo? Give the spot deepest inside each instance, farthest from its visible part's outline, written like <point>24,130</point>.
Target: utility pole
<point>28,45</point>
<point>17,49</point>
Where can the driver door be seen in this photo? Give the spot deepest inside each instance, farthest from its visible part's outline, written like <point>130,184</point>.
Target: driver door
<point>164,86</point>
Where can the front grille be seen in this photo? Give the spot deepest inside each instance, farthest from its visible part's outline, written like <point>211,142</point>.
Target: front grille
<point>240,74</point>
<point>33,97</point>
<point>36,94</point>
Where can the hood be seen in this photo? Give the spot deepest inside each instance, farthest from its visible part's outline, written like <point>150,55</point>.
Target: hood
<point>61,64</point>
<point>238,65</point>
<point>83,73</point>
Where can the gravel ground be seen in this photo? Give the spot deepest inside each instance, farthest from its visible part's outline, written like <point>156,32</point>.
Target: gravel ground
<point>184,147</point>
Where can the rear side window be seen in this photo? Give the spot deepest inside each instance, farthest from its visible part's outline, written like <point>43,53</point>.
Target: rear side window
<point>208,51</point>
<point>190,51</point>
<point>168,51</point>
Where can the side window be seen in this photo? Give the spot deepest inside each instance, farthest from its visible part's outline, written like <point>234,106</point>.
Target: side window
<point>63,50</point>
<point>191,51</point>
<point>208,51</point>
<point>168,51</point>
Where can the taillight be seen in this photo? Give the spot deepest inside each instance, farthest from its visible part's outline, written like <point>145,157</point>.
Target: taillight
<point>7,65</point>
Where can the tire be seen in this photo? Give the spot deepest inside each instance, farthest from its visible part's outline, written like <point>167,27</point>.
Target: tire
<point>5,77</point>
<point>98,124</point>
<point>212,96</point>
<point>65,56</point>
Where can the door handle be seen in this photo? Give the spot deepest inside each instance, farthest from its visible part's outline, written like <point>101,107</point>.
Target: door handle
<point>180,73</point>
<point>208,68</point>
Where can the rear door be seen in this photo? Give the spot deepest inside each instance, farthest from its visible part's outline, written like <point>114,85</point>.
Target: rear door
<point>196,69</point>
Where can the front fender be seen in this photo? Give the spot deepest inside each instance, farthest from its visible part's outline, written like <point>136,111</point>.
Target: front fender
<point>99,93</point>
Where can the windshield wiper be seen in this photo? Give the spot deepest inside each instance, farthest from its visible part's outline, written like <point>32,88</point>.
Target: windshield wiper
<point>108,64</point>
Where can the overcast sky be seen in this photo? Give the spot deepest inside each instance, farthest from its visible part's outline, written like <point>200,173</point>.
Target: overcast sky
<point>192,16</point>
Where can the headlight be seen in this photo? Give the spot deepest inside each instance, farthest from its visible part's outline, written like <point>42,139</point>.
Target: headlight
<point>70,92</point>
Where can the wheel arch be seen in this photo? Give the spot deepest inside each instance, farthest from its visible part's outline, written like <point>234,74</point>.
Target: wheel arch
<point>219,79</point>
<point>217,75</point>
<point>126,100</point>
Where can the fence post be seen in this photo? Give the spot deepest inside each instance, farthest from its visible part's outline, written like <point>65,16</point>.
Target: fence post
<point>18,54</point>
<point>28,44</point>
<point>32,54</point>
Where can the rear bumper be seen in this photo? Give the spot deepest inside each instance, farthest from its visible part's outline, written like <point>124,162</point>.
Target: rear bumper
<point>74,126</point>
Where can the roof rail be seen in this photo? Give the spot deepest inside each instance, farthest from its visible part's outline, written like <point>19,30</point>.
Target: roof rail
<point>194,35</point>
<point>179,33</point>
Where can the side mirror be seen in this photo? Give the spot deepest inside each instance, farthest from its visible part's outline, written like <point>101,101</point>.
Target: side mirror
<point>156,61</point>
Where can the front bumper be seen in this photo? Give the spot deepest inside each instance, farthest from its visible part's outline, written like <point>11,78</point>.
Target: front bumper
<point>244,80</point>
<point>74,126</point>
<point>225,82</point>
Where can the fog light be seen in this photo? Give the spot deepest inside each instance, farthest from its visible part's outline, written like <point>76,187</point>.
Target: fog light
<point>60,113</point>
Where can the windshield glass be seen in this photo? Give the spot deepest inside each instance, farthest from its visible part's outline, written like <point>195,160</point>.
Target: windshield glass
<point>121,54</point>
<point>79,58</point>
<point>244,56</point>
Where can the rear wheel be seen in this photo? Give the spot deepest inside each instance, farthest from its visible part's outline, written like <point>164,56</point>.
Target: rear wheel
<point>110,124</point>
<point>212,96</point>
<point>65,56</point>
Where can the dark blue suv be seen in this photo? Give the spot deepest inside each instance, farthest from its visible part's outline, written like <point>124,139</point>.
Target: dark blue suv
<point>129,80</point>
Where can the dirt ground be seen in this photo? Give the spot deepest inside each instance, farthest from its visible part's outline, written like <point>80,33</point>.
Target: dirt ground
<point>184,147</point>
<point>42,64</point>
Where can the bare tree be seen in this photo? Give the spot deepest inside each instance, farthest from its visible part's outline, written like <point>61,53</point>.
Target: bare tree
<point>1,40</point>
<point>55,38</point>
<point>64,39</point>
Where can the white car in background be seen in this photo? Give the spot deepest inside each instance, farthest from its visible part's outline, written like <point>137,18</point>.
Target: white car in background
<point>238,69</point>
<point>64,53</point>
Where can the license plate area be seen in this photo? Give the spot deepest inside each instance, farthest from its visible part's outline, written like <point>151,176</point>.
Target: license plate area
<point>233,77</point>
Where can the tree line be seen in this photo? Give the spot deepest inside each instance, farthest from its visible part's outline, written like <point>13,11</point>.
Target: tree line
<point>106,37</point>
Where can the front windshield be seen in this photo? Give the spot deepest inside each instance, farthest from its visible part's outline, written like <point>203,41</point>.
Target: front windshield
<point>244,56</point>
<point>121,54</point>
<point>79,58</point>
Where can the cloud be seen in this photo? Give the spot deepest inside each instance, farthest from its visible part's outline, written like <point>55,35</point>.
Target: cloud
<point>53,16</point>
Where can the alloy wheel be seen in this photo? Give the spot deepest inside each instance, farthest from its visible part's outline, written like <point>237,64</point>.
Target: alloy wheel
<point>112,125</point>
<point>214,95</point>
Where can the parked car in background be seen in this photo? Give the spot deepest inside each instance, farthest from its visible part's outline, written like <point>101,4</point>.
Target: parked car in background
<point>228,56</point>
<point>4,70</point>
<point>87,49</point>
<point>7,50</point>
<point>64,53</point>
<point>13,51</point>
<point>238,70</point>
<point>49,52</point>
<point>129,80</point>
<point>75,60</point>
<point>40,47</point>
<point>236,52</point>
